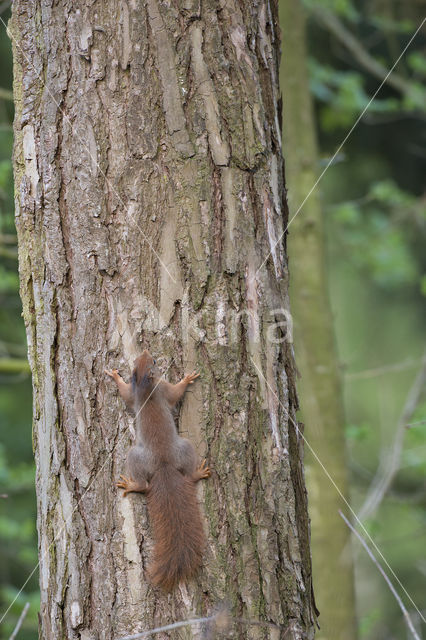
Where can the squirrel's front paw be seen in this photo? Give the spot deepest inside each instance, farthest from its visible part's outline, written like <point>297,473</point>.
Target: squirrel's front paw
<point>112,373</point>
<point>190,377</point>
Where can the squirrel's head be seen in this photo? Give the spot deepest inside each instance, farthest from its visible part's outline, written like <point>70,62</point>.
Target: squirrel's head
<point>144,370</point>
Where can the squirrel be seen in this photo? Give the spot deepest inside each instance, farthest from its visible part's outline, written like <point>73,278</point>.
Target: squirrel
<point>164,467</point>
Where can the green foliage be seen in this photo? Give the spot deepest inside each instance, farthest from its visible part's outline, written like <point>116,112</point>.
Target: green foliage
<point>357,432</point>
<point>18,547</point>
<point>417,62</point>
<point>5,177</point>
<point>376,226</point>
<point>386,24</point>
<point>9,280</point>
<point>388,193</point>
<point>18,478</point>
<point>414,455</point>
<point>29,628</point>
<point>343,8</point>
<point>6,195</point>
<point>368,622</point>
<point>343,96</point>
<point>376,232</point>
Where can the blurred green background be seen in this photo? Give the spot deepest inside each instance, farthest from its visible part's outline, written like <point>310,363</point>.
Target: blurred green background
<point>374,202</point>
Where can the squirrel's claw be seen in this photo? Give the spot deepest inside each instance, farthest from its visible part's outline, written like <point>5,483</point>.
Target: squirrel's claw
<point>112,373</point>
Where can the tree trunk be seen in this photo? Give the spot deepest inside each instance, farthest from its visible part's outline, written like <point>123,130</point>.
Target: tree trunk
<point>149,191</point>
<point>320,385</point>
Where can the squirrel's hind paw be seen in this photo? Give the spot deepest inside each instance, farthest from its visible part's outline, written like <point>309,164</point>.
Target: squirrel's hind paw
<point>203,471</point>
<point>130,486</point>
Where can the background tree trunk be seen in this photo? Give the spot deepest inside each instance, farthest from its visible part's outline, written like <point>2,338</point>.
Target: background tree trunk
<point>320,385</point>
<point>149,190</point>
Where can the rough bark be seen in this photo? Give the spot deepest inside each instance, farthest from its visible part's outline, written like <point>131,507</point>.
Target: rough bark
<point>320,385</point>
<point>149,190</point>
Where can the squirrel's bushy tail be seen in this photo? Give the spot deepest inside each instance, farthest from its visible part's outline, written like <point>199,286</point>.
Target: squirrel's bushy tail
<point>177,527</point>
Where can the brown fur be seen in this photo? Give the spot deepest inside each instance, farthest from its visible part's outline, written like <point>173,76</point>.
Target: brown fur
<point>178,531</point>
<point>163,465</point>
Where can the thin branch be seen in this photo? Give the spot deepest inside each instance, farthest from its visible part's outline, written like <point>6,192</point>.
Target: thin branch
<point>389,464</point>
<point>379,371</point>
<point>5,94</point>
<point>8,238</point>
<point>14,365</point>
<point>12,349</point>
<point>20,621</point>
<point>5,5</point>
<point>361,55</point>
<point>300,434</point>
<point>380,568</point>
<point>6,252</point>
<point>220,619</point>
<point>395,116</point>
<point>168,627</point>
<point>415,424</point>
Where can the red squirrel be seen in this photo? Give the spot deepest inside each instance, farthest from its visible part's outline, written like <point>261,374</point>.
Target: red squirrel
<point>164,467</point>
